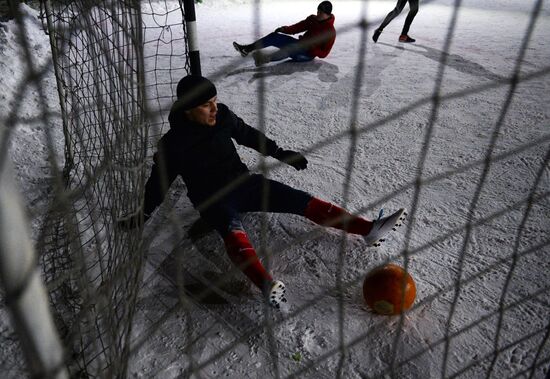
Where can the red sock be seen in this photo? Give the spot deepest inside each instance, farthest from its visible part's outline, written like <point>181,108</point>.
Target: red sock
<point>324,213</point>
<point>243,255</point>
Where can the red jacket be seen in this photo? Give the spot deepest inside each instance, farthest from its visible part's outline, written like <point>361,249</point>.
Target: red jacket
<point>315,28</point>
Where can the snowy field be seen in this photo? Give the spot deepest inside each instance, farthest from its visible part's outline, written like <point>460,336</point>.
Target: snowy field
<point>475,218</point>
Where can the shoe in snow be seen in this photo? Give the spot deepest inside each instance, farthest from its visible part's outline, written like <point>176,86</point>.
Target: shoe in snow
<point>376,34</point>
<point>241,49</point>
<point>405,38</point>
<point>276,294</point>
<point>383,226</point>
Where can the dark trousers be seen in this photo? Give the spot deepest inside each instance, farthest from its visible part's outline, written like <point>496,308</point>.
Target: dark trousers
<point>224,214</point>
<point>413,5</point>
<point>288,47</point>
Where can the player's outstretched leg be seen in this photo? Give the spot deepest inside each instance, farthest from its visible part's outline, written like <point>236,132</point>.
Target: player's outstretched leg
<point>327,214</point>
<point>275,293</point>
<point>324,213</point>
<point>242,254</point>
<point>259,58</point>
<point>382,226</point>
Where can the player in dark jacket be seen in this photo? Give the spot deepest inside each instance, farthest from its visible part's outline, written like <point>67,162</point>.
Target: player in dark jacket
<point>199,147</point>
<point>317,40</point>
<point>404,37</point>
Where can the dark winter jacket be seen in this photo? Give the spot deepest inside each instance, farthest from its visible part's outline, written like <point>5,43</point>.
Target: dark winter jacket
<point>313,28</point>
<point>204,156</point>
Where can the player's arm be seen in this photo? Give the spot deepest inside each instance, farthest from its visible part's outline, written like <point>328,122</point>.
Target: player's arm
<point>157,185</point>
<point>299,27</point>
<point>246,135</point>
<point>162,176</point>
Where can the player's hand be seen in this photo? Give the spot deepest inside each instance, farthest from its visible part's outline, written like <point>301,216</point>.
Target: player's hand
<point>279,29</point>
<point>293,158</point>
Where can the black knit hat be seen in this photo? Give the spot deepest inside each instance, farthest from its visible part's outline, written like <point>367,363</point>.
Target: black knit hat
<point>325,7</point>
<point>194,90</point>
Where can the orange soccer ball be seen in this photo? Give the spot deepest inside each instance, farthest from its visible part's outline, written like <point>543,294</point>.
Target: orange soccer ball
<point>389,290</point>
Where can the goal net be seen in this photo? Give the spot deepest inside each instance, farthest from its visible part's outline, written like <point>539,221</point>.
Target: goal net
<point>92,268</point>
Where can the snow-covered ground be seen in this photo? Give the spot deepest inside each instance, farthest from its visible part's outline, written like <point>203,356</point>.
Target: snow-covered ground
<point>500,207</point>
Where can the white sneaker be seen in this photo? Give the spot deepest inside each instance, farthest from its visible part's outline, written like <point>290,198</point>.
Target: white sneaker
<point>383,226</point>
<point>276,295</point>
<point>241,49</point>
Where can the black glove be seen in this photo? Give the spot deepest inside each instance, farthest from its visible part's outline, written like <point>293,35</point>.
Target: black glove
<point>293,158</point>
<point>279,29</point>
<point>132,222</point>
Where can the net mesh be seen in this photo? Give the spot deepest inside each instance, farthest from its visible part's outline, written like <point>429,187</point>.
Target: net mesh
<point>116,64</point>
<point>92,269</point>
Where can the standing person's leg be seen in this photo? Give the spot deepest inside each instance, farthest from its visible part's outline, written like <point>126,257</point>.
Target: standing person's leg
<point>413,4</point>
<point>393,14</point>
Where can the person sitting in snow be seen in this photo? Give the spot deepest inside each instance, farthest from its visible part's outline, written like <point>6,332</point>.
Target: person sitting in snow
<point>317,40</point>
<point>199,147</point>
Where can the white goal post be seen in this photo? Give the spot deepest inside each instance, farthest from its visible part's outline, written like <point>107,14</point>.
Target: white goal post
<point>25,293</point>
